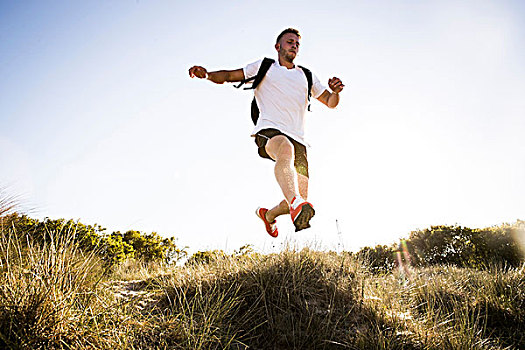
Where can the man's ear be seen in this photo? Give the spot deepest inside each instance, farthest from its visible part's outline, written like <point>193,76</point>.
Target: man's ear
<point>277,46</point>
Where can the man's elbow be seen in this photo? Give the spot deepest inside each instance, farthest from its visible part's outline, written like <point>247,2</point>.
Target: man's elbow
<point>333,100</point>
<point>332,104</point>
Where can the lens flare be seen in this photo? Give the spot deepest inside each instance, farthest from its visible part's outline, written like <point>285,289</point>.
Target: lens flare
<point>518,234</point>
<point>403,259</point>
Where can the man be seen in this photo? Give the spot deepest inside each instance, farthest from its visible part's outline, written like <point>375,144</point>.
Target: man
<point>282,98</point>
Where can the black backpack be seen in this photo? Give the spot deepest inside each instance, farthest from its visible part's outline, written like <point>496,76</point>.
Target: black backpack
<point>265,65</point>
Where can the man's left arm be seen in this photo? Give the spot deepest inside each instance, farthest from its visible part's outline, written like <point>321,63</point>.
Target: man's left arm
<point>331,99</point>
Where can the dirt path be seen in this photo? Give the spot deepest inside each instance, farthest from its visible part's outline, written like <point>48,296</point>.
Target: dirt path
<point>134,292</point>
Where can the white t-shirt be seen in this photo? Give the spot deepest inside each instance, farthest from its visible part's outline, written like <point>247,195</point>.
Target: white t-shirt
<point>282,97</point>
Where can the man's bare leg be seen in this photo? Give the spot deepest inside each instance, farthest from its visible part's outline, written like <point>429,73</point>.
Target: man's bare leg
<point>280,209</point>
<point>283,208</point>
<point>282,151</point>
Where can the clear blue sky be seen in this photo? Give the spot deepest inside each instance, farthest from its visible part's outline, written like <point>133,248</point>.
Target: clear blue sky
<point>100,122</point>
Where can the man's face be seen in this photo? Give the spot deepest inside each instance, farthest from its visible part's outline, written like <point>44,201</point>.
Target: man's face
<point>288,46</point>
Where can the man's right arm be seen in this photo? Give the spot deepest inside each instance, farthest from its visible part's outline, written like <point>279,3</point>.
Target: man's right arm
<point>218,77</point>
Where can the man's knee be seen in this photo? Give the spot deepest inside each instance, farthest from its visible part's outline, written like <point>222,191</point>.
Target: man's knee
<point>279,147</point>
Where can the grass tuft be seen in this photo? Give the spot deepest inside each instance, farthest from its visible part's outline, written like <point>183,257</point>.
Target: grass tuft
<point>50,295</point>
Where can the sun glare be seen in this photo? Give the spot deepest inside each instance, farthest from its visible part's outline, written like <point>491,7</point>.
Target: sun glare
<point>518,234</point>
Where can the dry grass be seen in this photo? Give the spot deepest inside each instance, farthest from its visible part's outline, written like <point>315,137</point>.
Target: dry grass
<point>289,300</point>
<point>7,202</point>
<point>317,300</point>
<point>51,295</point>
<point>455,308</point>
<point>55,296</point>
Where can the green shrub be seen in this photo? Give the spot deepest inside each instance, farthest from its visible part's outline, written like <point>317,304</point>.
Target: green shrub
<point>205,257</point>
<point>380,259</point>
<point>465,247</point>
<point>152,247</point>
<point>113,248</point>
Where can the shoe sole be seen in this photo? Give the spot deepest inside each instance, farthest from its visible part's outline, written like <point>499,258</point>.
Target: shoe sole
<point>302,221</point>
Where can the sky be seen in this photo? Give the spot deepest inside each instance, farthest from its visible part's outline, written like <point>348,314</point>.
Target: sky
<point>100,122</point>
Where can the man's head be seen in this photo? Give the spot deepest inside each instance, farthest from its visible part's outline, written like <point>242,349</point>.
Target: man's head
<point>287,44</point>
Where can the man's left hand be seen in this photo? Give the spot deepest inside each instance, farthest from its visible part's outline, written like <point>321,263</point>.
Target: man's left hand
<point>336,85</point>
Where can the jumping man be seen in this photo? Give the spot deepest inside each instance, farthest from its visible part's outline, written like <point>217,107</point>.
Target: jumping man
<point>282,98</point>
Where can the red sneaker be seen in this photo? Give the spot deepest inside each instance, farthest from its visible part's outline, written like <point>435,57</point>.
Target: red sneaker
<point>271,227</point>
<point>301,214</point>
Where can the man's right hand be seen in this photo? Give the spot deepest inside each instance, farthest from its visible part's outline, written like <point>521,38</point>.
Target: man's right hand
<point>199,72</point>
<point>218,77</point>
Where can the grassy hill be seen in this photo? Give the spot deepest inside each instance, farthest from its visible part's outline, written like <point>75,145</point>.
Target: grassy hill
<point>54,295</point>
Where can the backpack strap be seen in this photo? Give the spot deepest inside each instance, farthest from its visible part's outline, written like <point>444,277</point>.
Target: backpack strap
<point>308,74</point>
<point>261,73</point>
<point>263,69</point>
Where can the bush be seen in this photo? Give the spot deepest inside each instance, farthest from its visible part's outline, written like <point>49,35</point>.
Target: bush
<point>152,247</point>
<point>379,259</point>
<point>113,248</point>
<point>465,247</point>
<point>205,257</point>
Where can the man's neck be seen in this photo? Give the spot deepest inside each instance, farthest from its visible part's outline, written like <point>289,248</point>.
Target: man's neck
<point>286,63</point>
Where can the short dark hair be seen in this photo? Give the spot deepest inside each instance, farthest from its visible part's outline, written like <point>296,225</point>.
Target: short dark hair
<point>288,30</point>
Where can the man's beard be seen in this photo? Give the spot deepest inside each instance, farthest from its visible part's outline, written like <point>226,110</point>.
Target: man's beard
<point>288,56</point>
